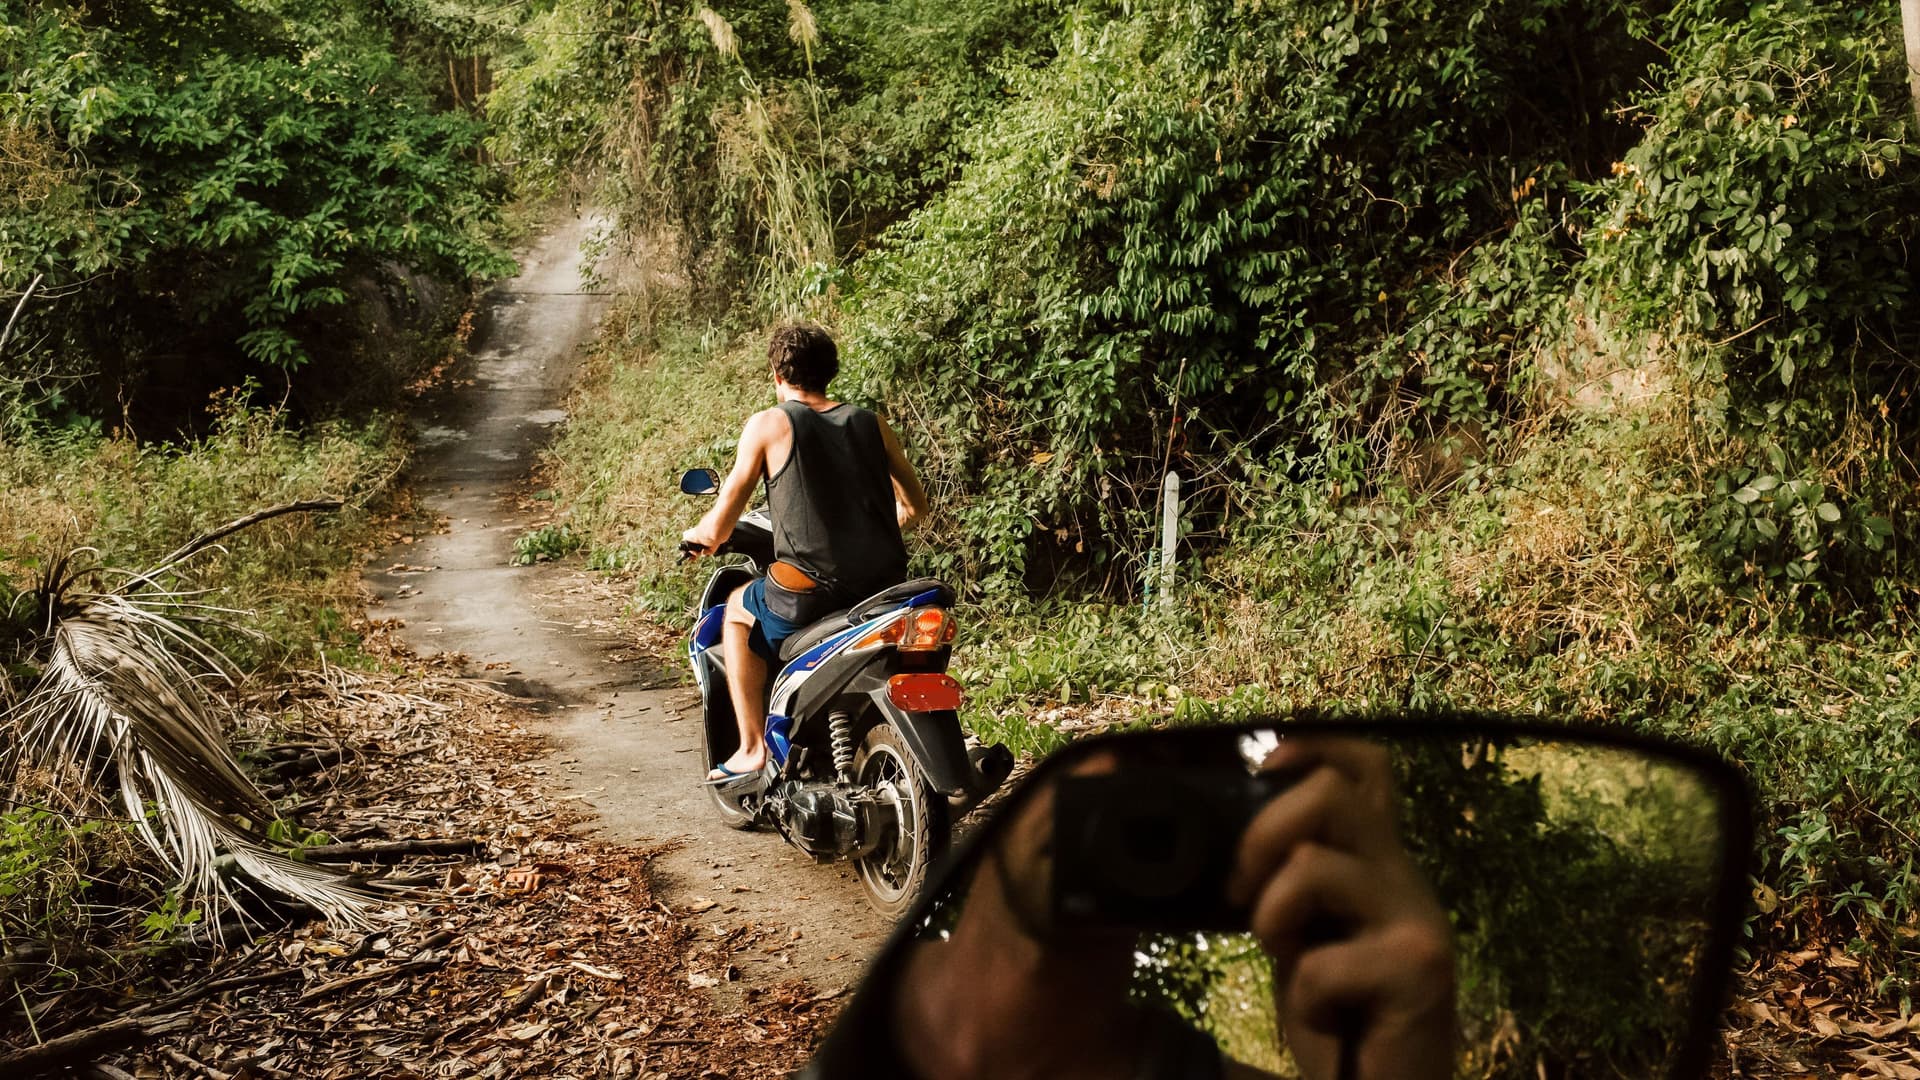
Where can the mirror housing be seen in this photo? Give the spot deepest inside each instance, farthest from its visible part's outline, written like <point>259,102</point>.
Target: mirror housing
<point>1628,856</point>
<point>699,482</point>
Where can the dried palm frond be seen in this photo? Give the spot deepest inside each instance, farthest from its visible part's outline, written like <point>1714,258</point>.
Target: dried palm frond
<point>120,701</point>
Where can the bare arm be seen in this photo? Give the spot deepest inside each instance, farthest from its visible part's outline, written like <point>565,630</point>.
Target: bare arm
<point>737,489</point>
<point>909,498</point>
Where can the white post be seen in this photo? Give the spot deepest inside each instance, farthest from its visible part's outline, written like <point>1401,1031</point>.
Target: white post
<point>1169,535</point>
<point>1910,16</point>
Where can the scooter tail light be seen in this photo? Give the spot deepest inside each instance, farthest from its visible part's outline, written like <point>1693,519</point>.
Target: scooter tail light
<point>929,692</point>
<point>927,629</point>
<point>886,635</point>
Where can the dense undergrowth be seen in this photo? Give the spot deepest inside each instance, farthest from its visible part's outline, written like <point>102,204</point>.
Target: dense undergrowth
<point>80,899</point>
<point>129,504</point>
<point>195,198</point>
<point>1545,356</point>
<point>194,195</point>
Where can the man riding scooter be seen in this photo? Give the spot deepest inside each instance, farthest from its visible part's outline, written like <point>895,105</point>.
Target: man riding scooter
<point>841,492</point>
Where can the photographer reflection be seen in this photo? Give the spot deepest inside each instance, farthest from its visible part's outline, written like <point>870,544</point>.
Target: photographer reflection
<point>1033,976</point>
<point>1363,956</point>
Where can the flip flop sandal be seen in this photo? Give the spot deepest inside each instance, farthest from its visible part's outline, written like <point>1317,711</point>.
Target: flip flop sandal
<point>728,776</point>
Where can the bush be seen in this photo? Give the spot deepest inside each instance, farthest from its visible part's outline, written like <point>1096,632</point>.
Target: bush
<point>1760,226</point>
<point>132,503</point>
<point>1301,251</point>
<point>219,174</point>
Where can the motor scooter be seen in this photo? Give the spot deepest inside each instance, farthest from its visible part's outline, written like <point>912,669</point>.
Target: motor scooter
<point>866,757</point>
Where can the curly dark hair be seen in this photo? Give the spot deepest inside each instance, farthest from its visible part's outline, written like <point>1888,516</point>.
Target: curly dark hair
<point>804,356</point>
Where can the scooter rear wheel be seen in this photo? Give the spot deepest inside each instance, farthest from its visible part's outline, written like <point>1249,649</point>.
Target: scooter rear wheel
<point>895,871</point>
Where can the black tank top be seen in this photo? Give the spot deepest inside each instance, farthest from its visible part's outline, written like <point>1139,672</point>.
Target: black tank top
<point>832,503</point>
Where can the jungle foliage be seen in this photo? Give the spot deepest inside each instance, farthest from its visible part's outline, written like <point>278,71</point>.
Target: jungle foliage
<point>1349,240</point>
<point>1082,243</point>
<point>197,182</point>
<point>1545,355</point>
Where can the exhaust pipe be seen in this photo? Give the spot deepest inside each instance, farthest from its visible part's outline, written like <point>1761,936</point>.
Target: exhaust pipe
<point>991,767</point>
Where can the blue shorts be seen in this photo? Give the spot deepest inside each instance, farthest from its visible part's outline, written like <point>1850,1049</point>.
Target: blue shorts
<point>769,630</point>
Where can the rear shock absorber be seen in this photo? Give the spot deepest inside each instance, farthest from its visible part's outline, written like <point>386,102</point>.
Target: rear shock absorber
<point>840,736</point>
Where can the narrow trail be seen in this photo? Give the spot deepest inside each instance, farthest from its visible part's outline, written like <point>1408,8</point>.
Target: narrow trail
<point>625,732</point>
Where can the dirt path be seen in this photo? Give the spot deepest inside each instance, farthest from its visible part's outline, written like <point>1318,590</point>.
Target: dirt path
<point>626,731</point>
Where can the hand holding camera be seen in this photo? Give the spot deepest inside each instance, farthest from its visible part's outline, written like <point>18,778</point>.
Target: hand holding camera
<point>1305,853</point>
<point>1378,987</point>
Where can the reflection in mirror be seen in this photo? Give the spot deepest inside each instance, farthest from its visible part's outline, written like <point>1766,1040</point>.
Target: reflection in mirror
<point>699,482</point>
<point>1272,904</point>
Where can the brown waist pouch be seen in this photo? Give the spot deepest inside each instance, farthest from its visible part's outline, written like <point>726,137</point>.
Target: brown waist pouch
<point>791,578</point>
<point>795,596</point>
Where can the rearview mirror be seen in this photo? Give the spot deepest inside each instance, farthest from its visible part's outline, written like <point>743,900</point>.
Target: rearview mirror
<point>699,482</point>
<point>1406,898</point>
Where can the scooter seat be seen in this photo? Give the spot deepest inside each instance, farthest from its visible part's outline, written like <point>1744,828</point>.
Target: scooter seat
<point>813,635</point>
<point>887,599</point>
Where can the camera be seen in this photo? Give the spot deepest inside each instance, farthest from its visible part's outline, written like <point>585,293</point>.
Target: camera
<point>1151,849</point>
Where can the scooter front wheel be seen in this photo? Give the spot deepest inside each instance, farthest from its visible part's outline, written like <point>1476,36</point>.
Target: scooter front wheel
<point>895,871</point>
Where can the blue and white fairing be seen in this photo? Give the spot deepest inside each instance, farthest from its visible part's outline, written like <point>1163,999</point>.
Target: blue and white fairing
<point>798,672</point>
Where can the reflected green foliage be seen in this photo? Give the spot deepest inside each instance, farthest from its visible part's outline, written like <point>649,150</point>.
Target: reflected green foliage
<point>1580,887</point>
<point>1222,984</point>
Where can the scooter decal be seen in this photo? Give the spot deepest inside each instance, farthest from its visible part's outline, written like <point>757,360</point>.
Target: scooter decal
<point>706,633</point>
<point>795,674</point>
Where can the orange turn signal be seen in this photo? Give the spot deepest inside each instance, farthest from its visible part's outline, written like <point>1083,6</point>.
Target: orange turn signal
<point>886,635</point>
<point>924,693</point>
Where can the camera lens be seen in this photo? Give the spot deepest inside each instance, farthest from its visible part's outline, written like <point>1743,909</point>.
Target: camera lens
<point>1150,852</point>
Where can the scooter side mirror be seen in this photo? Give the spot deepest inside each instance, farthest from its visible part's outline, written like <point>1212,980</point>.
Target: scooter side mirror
<point>699,482</point>
<point>1409,896</point>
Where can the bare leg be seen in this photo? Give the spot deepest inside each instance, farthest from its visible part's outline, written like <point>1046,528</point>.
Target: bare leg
<point>747,684</point>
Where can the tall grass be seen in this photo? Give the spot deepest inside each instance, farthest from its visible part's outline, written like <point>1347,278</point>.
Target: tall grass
<point>294,576</point>
<point>761,148</point>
